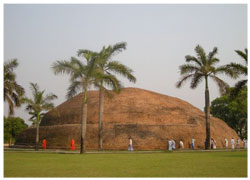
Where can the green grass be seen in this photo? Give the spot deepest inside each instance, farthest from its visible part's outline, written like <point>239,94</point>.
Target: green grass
<point>181,164</point>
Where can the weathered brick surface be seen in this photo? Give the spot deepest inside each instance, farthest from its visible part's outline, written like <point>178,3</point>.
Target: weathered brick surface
<point>151,119</point>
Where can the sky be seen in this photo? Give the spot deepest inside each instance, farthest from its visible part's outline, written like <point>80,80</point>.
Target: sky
<point>158,38</point>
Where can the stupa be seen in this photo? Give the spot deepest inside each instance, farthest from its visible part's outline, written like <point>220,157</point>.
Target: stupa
<point>150,118</point>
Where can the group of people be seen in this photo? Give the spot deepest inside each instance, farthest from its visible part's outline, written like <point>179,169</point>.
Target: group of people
<point>237,143</point>
<point>172,144</point>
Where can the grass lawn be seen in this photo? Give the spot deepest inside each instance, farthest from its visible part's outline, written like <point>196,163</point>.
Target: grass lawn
<point>181,164</point>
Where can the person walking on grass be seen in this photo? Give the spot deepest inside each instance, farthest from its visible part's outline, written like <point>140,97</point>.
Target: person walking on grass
<point>232,143</point>
<point>214,147</point>
<point>245,143</point>
<point>212,143</point>
<point>173,144</point>
<point>170,145</point>
<point>193,143</point>
<point>181,144</point>
<point>130,146</point>
<point>238,144</point>
<point>226,143</point>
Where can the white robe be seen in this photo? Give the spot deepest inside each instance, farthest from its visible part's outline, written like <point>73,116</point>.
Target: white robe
<point>232,143</point>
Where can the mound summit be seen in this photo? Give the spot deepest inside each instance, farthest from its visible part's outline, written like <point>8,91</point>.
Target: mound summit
<point>150,118</point>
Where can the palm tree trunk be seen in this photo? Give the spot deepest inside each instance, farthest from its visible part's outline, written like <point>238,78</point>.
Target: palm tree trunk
<point>10,141</point>
<point>84,121</point>
<point>207,115</point>
<point>37,134</point>
<point>101,104</point>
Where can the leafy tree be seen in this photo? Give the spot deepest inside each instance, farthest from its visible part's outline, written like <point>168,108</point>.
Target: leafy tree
<point>82,76</point>
<point>241,70</point>
<point>37,106</point>
<point>203,67</point>
<point>13,92</point>
<point>108,68</point>
<point>232,111</point>
<point>12,127</point>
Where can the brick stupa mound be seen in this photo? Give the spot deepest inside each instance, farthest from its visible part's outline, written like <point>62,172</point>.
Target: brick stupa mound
<point>151,119</point>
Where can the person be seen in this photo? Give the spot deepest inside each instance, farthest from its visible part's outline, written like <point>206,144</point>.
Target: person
<point>173,144</point>
<point>212,143</point>
<point>226,143</point>
<point>214,147</point>
<point>181,144</point>
<point>232,143</point>
<point>44,143</point>
<point>238,143</point>
<point>245,143</point>
<point>72,144</point>
<point>192,143</point>
<point>130,146</point>
<point>170,145</point>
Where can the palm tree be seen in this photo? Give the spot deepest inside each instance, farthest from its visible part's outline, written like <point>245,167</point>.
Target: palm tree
<point>13,92</point>
<point>82,76</point>
<point>37,106</point>
<point>107,66</point>
<point>241,70</point>
<point>203,67</point>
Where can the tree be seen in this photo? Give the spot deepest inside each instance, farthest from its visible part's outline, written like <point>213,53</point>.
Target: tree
<point>241,70</point>
<point>82,76</point>
<point>203,67</point>
<point>12,127</point>
<point>232,111</point>
<point>13,92</point>
<point>37,106</point>
<point>108,68</point>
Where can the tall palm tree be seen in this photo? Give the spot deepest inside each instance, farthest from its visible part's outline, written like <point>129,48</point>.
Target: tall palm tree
<point>37,106</point>
<point>82,76</point>
<point>241,70</point>
<point>13,92</point>
<point>203,67</point>
<point>108,68</point>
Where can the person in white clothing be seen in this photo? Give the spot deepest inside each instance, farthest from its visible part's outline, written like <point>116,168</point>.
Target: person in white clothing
<point>232,143</point>
<point>170,145</point>
<point>181,144</point>
<point>214,144</point>
<point>192,143</point>
<point>226,143</point>
<point>245,143</point>
<point>238,143</point>
<point>130,146</point>
<point>173,144</point>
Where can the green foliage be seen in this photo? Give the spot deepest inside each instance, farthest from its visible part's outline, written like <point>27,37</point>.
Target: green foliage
<point>107,69</point>
<point>12,127</point>
<point>13,92</point>
<point>240,70</point>
<point>38,104</point>
<point>232,111</point>
<point>203,66</point>
<point>82,75</point>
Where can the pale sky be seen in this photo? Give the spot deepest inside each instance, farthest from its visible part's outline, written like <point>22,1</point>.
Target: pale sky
<point>158,39</point>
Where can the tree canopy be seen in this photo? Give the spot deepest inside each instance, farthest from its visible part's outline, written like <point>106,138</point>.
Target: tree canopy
<point>13,92</point>
<point>12,127</point>
<point>232,111</point>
